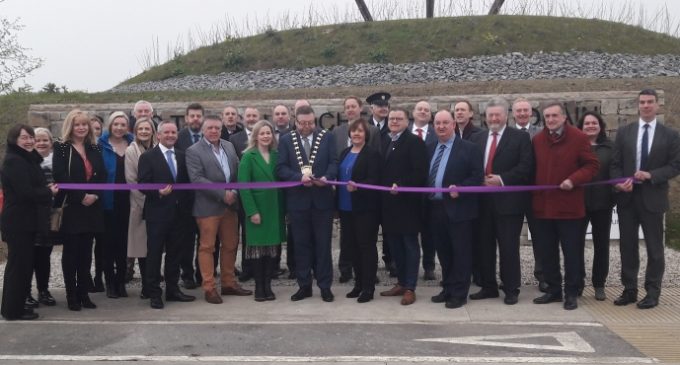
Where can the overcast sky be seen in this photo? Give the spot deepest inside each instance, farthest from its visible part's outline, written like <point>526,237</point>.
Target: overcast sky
<point>93,45</point>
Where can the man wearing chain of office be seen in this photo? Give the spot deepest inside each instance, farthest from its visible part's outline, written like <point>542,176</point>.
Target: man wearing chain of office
<point>308,155</point>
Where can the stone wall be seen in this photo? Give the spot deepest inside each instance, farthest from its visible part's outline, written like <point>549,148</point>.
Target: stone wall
<point>617,108</point>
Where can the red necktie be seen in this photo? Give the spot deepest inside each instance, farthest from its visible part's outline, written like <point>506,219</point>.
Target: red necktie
<point>492,153</point>
<point>420,133</point>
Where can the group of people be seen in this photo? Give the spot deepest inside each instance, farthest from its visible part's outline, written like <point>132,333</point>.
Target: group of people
<point>329,171</point>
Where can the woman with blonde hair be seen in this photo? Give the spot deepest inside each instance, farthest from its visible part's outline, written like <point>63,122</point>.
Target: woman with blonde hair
<point>114,141</point>
<point>144,140</point>
<point>264,225</point>
<point>78,159</point>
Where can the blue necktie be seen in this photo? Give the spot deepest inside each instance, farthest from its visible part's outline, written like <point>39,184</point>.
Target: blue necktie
<point>644,153</point>
<point>432,178</point>
<point>196,137</point>
<point>171,165</point>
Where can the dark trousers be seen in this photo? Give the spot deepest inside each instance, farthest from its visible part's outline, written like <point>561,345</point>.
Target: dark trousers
<point>41,267</point>
<point>76,261</point>
<point>312,230</point>
<point>115,248</point>
<point>601,221</point>
<point>172,236</point>
<point>405,251</point>
<point>428,246</point>
<point>476,253</point>
<point>345,260</point>
<point>18,271</point>
<point>502,230</point>
<point>630,218</point>
<point>360,233</point>
<point>454,248</point>
<point>551,234</point>
<point>188,269</point>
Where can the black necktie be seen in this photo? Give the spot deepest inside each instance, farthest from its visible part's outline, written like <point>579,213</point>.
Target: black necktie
<point>644,149</point>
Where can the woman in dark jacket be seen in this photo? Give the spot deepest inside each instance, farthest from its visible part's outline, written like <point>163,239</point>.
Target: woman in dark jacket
<point>78,160</point>
<point>359,209</point>
<point>599,202</point>
<point>113,142</point>
<point>26,207</point>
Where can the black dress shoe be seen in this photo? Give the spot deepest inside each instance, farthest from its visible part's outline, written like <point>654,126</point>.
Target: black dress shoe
<point>98,285</point>
<point>327,295</point>
<point>627,297</point>
<point>548,298</point>
<point>454,303</point>
<point>345,278</point>
<point>570,303</point>
<point>429,275</point>
<point>29,316</point>
<point>31,302</point>
<point>354,293</point>
<point>122,292</point>
<point>189,284</point>
<point>178,296</point>
<point>278,272</point>
<point>156,303</point>
<point>511,299</point>
<point>87,303</point>
<point>648,302</point>
<point>302,293</point>
<point>46,298</point>
<point>543,286</point>
<point>484,294</point>
<point>365,297</point>
<point>73,304</point>
<point>439,298</point>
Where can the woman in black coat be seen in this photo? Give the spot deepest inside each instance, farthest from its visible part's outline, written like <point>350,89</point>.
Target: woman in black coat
<point>25,212</point>
<point>78,159</point>
<point>359,209</point>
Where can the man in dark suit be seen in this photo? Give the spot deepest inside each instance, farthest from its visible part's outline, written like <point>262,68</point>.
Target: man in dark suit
<point>308,155</point>
<point>650,152</point>
<point>380,108</point>
<point>463,114</point>
<point>190,134</point>
<point>453,162</point>
<point>240,142</point>
<point>281,119</point>
<point>167,214</point>
<point>423,129</point>
<point>230,122</point>
<point>521,113</point>
<point>240,139</point>
<point>213,160</point>
<point>508,160</point>
<point>405,164</point>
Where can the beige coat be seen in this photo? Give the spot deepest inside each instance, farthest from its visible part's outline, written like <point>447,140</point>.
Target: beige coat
<point>137,226</point>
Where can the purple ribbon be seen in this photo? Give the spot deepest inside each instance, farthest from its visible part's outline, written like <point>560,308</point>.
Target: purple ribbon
<point>290,184</point>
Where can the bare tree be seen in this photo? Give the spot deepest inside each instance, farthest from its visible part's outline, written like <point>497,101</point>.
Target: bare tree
<point>496,7</point>
<point>429,8</point>
<point>15,64</point>
<point>364,10</point>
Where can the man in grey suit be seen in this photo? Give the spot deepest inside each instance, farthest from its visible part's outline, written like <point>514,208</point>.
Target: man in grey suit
<point>650,153</point>
<point>521,113</point>
<point>214,160</point>
<point>240,139</point>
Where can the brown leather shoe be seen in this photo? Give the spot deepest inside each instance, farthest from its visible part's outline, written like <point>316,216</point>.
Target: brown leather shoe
<point>396,291</point>
<point>236,290</point>
<point>212,297</point>
<point>408,298</point>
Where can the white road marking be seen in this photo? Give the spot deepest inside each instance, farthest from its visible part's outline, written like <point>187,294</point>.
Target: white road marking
<point>350,359</point>
<point>569,341</point>
<point>286,322</point>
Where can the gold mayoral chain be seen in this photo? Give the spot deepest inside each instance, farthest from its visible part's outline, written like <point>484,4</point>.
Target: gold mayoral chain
<point>307,169</point>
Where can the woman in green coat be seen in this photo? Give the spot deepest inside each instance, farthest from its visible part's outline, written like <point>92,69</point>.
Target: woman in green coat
<point>265,229</point>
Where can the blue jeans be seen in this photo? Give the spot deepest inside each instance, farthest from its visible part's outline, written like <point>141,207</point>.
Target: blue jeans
<point>406,254</point>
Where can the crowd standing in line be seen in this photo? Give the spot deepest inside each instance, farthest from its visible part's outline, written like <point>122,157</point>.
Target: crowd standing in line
<point>436,150</point>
